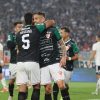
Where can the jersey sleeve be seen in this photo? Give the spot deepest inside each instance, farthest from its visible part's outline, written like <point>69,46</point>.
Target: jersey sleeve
<point>40,27</point>
<point>94,47</point>
<point>1,47</point>
<point>10,42</point>
<point>75,48</point>
<point>57,34</point>
<point>9,37</point>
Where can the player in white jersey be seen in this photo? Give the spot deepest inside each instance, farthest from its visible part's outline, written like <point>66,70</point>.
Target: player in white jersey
<point>96,55</point>
<point>2,78</point>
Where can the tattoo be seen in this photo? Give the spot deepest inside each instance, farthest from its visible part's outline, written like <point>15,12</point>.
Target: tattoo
<point>62,48</point>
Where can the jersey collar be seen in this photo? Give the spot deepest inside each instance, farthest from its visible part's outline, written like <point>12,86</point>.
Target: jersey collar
<point>68,40</point>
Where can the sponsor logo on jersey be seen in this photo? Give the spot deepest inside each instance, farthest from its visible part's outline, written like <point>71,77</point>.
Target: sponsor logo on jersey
<point>48,35</point>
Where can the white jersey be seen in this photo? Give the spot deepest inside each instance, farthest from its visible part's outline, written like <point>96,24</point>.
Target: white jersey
<point>1,47</point>
<point>96,47</point>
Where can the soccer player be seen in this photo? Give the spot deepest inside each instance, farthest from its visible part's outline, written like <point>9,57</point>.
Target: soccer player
<point>50,61</point>
<point>72,55</point>
<point>28,56</point>
<point>11,44</point>
<point>2,79</point>
<point>95,54</point>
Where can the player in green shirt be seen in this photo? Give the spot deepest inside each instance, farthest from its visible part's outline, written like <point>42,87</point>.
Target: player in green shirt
<point>72,51</point>
<point>11,44</point>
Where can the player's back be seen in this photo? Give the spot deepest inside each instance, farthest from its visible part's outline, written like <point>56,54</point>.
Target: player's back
<point>28,44</point>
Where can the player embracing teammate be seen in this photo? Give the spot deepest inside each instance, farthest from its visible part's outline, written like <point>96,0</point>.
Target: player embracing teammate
<point>38,58</point>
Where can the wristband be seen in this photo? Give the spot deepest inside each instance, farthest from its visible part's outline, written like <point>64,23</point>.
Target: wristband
<point>1,61</point>
<point>69,58</point>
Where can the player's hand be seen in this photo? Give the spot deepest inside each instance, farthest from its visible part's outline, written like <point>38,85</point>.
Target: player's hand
<point>89,63</point>
<point>1,63</point>
<point>63,61</point>
<point>67,58</point>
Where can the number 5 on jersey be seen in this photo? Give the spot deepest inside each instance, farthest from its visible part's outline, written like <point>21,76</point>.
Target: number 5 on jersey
<point>26,41</point>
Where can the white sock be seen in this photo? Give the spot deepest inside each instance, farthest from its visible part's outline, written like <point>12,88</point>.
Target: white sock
<point>3,81</point>
<point>98,84</point>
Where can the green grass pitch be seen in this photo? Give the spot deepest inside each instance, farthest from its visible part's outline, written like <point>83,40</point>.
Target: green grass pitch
<point>78,91</point>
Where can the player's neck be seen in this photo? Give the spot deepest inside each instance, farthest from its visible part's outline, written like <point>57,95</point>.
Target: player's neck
<point>66,39</point>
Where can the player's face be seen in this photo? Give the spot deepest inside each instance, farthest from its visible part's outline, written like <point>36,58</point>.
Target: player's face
<point>18,27</point>
<point>64,34</point>
<point>38,18</point>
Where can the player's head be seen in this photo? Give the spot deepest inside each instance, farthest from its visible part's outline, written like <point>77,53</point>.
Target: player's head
<point>28,18</point>
<point>17,26</point>
<point>98,37</point>
<point>38,17</point>
<point>65,31</point>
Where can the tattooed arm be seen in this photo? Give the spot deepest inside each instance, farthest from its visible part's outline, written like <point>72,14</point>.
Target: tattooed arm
<point>63,53</point>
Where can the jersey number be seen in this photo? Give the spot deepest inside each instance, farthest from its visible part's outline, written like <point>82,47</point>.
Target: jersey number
<point>26,41</point>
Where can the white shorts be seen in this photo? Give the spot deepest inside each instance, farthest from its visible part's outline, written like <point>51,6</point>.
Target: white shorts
<point>51,72</point>
<point>12,71</point>
<point>28,71</point>
<point>67,75</point>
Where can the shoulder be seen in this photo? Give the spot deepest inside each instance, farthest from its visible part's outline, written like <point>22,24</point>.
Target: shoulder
<point>72,42</point>
<point>95,44</point>
<point>10,34</point>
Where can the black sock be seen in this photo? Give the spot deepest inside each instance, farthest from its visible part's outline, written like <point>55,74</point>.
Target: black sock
<point>67,91</point>
<point>35,94</point>
<point>21,96</point>
<point>26,94</point>
<point>11,89</point>
<point>65,94</point>
<point>48,97</point>
<point>55,91</point>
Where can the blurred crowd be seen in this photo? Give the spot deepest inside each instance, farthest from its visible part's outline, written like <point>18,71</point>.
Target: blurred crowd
<point>82,16</point>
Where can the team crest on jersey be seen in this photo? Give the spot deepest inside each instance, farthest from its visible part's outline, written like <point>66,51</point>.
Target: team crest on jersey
<point>48,35</point>
<point>67,47</point>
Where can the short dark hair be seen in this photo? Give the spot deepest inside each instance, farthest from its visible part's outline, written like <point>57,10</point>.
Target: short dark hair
<point>40,13</point>
<point>98,34</point>
<point>66,29</point>
<point>18,22</point>
<point>28,18</point>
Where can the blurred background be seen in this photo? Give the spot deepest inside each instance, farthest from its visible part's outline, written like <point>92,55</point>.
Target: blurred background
<point>81,16</point>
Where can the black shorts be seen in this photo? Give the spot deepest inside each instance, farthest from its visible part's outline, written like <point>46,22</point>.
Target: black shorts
<point>0,69</point>
<point>98,70</point>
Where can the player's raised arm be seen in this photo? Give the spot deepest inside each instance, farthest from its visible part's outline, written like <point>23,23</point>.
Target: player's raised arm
<point>49,23</point>
<point>42,26</point>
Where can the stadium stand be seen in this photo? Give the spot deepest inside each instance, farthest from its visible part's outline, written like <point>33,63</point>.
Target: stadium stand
<point>82,16</point>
